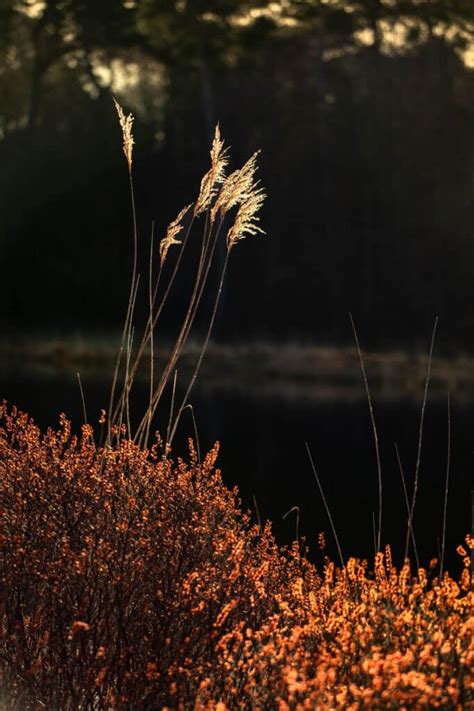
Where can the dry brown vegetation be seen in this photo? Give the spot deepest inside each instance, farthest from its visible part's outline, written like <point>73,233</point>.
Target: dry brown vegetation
<point>130,581</point>
<point>219,195</point>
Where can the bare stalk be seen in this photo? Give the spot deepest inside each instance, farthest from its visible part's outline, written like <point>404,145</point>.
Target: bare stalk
<point>84,411</point>
<point>446,489</point>
<point>134,271</point>
<point>321,491</point>
<point>297,530</point>
<point>203,348</point>
<point>127,366</point>
<point>129,314</point>
<point>407,502</point>
<point>199,284</point>
<point>196,434</point>
<point>420,438</point>
<point>374,531</point>
<point>259,520</point>
<point>153,319</point>
<point>374,431</point>
<point>151,296</point>
<point>196,297</point>
<point>170,419</point>
<point>124,399</point>
<point>155,395</point>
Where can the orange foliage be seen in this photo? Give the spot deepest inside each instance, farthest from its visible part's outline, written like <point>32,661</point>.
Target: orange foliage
<point>129,581</point>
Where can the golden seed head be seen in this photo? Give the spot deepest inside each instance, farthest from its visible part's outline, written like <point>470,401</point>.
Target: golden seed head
<point>174,228</point>
<point>237,187</point>
<point>246,218</point>
<point>215,175</point>
<point>126,123</point>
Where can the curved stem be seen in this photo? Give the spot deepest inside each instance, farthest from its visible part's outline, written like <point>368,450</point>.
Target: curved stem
<point>420,439</point>
<point>374,431</point>
<point>207,254</point>
<point>203,349</point>
<point>328,511</point>
<point>153,320</point>
<point>151,298</point>
<point>446,490</point>
<point>129,314</point>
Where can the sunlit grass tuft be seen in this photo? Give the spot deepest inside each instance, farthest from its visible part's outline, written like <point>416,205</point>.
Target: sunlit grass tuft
<point>218,194</point>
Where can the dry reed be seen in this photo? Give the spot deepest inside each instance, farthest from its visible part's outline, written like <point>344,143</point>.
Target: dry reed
<point>217,195</point>
<point>132,581</point>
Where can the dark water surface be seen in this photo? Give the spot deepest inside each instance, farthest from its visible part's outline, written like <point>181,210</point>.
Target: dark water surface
<point>262,438</point>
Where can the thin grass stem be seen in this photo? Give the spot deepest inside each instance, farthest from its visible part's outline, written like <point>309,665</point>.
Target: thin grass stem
<point>374,431</point>
<point>134,290</point>
<point>446,489</point>
<point>259,520</point>
<point>83,400</point>
<point>297,530</point>
<point>328,512</point>
<point>173,358</point>
<point>127,399</point>
<point>407,502</point>
<point>420,437</point>
<point>196,434</point>
<point>153,319</point>
<point>200,283</point>
<point>124,399</point>
<point>170,419</point>
<point>203,348</point>
<point>150,320</point>
<point>126,326</point>
<point>374,531</point>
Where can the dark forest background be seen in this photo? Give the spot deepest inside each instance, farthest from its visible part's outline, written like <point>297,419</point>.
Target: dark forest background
<point>363,109</point>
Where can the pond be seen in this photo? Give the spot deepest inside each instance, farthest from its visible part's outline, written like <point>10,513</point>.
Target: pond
<point>262,433</point>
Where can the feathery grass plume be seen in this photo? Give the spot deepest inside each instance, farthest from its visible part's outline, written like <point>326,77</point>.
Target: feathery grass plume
<point>126,123</point>
<point>244,223</point>
<point>215,175</point>
<point>237,187</point>
<point>174,228</point>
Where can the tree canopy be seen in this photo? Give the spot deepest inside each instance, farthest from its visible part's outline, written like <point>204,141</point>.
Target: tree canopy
<point>362,110</point>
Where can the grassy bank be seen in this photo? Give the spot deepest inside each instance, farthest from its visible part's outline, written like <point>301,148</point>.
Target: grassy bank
<point>299,370</point>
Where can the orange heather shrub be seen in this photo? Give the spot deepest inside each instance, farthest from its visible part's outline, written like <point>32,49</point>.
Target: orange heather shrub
<point>132,582</point>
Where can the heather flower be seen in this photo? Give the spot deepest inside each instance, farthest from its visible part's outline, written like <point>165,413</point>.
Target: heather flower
<point>144,585</point>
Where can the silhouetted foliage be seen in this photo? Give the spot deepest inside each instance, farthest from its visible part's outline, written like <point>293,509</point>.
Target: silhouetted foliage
<point>363,113</point>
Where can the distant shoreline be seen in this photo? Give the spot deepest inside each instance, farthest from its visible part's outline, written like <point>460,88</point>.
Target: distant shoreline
<point>307,371</point>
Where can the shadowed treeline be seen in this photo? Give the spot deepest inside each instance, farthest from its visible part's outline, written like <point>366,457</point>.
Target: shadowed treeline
<point>363,111</point>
